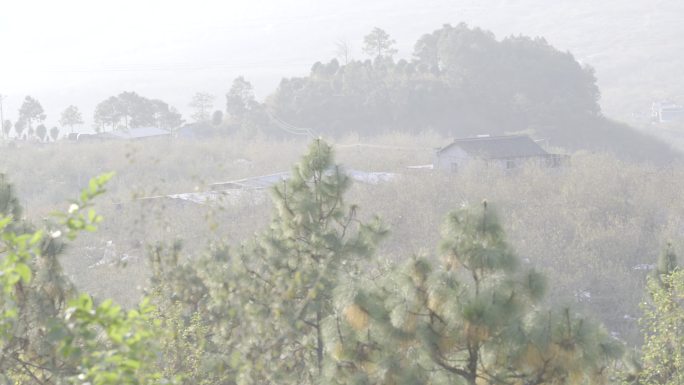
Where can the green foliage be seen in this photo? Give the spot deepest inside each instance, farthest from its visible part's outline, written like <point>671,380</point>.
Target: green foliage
<point>181,297</point>
<point>475,319</point>
<point>81,216</point>
<point>279,286</point>
<point>305,301</point>
<point>50,335</point>
<point>663,325</point>
<point>108,346</point>
<point>17,252</point>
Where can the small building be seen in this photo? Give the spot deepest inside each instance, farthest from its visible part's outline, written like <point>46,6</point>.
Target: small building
<point>667,111</point>
<point>507,152</point>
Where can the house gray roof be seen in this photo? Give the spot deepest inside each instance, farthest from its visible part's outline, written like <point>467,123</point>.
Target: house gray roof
<point>496,147</point>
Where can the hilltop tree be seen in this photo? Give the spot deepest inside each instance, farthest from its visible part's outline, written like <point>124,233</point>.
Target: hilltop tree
<point>240,99</point>
<point>134,110</point>
<point>107,114</point>
<point>19,128</point>
<point>378,44</point>
<point>165,116</point>
<point>343,51</point>
<point>6,128</point>
<point>458,74</point>
<point>54,133</point>
<point>130,110</point>
<point>202,103</point>
<point>217,117</point>
<point>71,116</point>
<point>30,112</point>
<point>41,132</point>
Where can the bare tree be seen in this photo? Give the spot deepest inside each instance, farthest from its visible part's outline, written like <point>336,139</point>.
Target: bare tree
<point>203,103</point>
<point>343,51</point>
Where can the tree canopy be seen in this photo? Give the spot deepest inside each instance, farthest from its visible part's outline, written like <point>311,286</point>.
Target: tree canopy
<point>461,82</point>
<point>30,112</point>
<point>378,44</point>
<point>130,110</point>
<point>71,117</point>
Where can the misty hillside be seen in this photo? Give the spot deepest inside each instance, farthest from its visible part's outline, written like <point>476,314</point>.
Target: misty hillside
<point>342,192</point>
<point>461,82</point>
<point>635,46</point>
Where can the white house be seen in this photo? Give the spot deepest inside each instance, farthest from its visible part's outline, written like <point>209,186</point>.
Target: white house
<point>507,152</point>
<point>667,111</point>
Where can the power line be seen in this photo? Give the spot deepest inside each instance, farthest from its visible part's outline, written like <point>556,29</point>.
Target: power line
<point>289,128</point>
<point>168,68</point>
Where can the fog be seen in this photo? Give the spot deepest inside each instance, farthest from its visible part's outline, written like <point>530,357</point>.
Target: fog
<point>342,192</point>
<point>81,52</point>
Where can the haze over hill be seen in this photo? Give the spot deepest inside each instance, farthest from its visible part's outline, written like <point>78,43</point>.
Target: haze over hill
<point>634,46</point>
<point>538,247</point>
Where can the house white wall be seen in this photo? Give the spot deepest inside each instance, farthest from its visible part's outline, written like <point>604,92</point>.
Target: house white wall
<point>452,159</point>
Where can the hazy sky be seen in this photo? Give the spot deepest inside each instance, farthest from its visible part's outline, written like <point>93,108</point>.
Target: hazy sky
<point>80,52</point>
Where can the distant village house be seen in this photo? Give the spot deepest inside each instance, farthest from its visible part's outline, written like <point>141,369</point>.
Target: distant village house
<point>667,111</point>
<point>507,152</point>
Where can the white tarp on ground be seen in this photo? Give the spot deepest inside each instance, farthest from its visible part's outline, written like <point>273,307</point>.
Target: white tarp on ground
<point>266,181</point>
<point>236,191</point>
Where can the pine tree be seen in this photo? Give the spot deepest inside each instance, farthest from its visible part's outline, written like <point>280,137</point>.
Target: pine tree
<point>275,292</point>
<point>476,319</point>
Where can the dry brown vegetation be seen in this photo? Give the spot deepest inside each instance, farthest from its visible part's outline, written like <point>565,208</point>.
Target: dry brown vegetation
<point>590,226</point>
